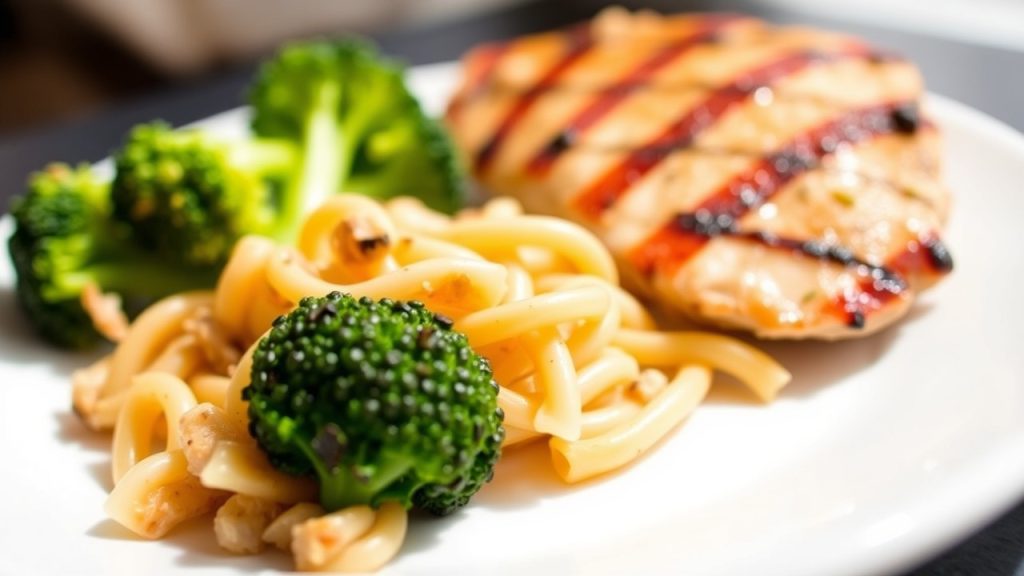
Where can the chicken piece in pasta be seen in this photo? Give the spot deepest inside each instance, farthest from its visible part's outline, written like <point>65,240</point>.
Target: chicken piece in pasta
<point>241,522</point>
<point>158,494</point>
<point>200,429</point>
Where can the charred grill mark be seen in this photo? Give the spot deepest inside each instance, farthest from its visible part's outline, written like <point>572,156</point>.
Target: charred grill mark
<point>939,257</point>
<point>611,96</point>
<point>927,254</point>
<point>489,85</point>
<point>561,142</point>
<point>878,56</point>
<point>877,285</point>
<point>830,144</point>
<point>682,238</point>
<point>614,183</point>
<point>480,78</point>
<point>704,225</point>
<point>754,186</point>
<point>769,175</point>
<point>579,41</point>
<point>906,118</point>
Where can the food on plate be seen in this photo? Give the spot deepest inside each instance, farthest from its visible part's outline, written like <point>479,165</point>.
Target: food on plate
<point>775,179</point>
<point>328,117</point>
<point>188,195</point>
<point>67,249</point>
<point>344,104</point>
<point>383,361</point>
<point>382,401</point>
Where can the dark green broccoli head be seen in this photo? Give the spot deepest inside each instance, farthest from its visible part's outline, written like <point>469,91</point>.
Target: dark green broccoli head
<point>443,499</point>
<point>350,108</point>
<point>381,401</point>
<point>64,240</point>
<point>189,195</point>
<point>55,227</point>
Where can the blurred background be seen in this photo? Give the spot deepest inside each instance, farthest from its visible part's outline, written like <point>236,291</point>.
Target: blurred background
<point>62,59</point>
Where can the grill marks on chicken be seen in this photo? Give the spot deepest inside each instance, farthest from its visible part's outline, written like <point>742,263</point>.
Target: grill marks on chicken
<point>769,175</point>
<point>579,41</point>
<point>682,131</point>
<point>781,180</point>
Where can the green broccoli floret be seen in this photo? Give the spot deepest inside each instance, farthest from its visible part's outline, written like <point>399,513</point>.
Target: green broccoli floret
<point>64,239</point>
<point>189,194</point>
<point>328,117</point>
<point>349,108</point>
<point>381,401</point>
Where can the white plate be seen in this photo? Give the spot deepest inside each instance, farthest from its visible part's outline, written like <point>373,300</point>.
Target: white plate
<point>881,452</point>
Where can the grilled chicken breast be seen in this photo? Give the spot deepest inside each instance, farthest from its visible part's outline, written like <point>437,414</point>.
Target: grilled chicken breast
<point>778,180</point>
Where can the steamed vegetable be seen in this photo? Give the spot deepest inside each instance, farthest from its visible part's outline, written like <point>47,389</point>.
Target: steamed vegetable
<point>328,117</point>
<point>65,241</point>
<point>188,195</point>
<point>350,109</point>
<point>380,401</point>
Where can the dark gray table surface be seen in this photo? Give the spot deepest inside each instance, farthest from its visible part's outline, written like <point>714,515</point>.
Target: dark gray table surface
<point>986,78</point>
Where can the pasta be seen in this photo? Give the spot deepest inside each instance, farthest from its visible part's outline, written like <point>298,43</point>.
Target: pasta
<point>579,362</point>
<point>152,395</point>
<point>634,435</point>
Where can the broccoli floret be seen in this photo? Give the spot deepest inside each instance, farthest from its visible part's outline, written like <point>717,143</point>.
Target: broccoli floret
<point>189,194</point>
<point>64,239</point>
<point>328,117</point>
<point>381,401</point>
<point>349,110</point>
<point>442,500</point>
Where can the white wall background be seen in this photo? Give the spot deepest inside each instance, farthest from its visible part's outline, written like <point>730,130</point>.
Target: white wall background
<point>181,36</point>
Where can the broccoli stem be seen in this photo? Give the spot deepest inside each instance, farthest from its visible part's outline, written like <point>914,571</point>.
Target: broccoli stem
<point>345,486</point>
<point>141,277</point>
<point>262,156</point>
<point>151,278</point>
<point>327,159</point>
